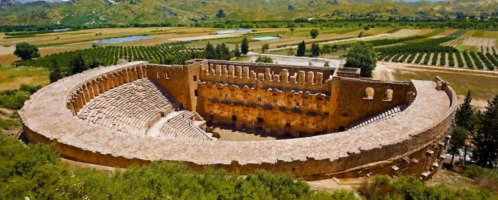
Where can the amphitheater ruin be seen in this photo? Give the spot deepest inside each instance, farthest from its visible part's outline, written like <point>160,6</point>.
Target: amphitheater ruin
<point>336,124</point>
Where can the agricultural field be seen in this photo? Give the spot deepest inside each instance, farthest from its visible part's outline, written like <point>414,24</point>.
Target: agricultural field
<point>456,50</point>
<point>110,55</point>
<point>433,47</point>
<point>483,87</point>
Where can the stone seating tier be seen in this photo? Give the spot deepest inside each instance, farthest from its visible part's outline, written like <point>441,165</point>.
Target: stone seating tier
<point>182,125</point>
<point>128,108</point>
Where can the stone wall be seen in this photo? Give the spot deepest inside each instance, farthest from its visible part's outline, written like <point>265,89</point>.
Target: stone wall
<point>357,99</point>
<point>296,101</point>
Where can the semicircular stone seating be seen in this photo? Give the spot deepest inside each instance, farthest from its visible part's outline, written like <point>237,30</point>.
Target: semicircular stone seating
<point>127,108</point>
<point>121,116</point>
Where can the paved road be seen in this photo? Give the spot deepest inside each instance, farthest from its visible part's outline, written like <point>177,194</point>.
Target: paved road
<point>293,60</point>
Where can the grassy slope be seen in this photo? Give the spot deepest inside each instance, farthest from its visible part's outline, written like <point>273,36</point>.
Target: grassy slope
<point>13,77</point>
<point>148,11</point>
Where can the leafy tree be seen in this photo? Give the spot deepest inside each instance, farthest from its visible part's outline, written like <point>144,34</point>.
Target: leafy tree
<point>26,51</point>
<point>245,46</point>
<point>209,51</point>
<point>55,71</point>
<point>465,115</point>
<point>315,50</point>
<point>77,64</point>
<point>292,29</point>
<point>327,64</point>
<point>362,55</point>
<point>220,14</point>
<point>237,51</point>
<point>457,141</point>
<point>314,33</point>
<point>360,35</point>
<point>265,47</point>
<point>301,49</point>
<point>486,139</point>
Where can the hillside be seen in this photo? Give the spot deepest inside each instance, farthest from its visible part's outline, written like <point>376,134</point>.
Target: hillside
<point>90,12</point>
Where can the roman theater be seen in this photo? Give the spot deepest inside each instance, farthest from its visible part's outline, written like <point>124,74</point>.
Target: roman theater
<point>314,122</point>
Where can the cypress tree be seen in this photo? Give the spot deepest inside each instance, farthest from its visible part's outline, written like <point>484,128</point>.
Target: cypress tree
<point>218,52</point>
<point>301,49</point>
<point>265,47</point>
<point>245,46</point>
<point>225,53</point>
<point>486,139</point>
<point>465,114</point>
<point>209,51</point>
<point>55,71</point>
<point>237,51</point>
<point>457,141</point>
<point>315,50</point>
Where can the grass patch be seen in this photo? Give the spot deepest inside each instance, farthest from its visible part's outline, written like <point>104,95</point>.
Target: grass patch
<point>14,77</point>
<point>7,123</point>
<point>482,87</point>
<point>484,177</point>
<point>479,33</point>
<point>462,48</point>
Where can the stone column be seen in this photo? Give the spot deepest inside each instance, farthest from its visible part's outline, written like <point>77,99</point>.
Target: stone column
<point>91,94</point>
<point>238,72</point>
<point>285,76</point>
<point>245,73</point>
<point>310,78</point>
<point>96,89</point>
<point>319,78</point>
<point>300,77</point>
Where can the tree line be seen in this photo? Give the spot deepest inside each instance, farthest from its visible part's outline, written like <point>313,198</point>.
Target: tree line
<point>476,132</point>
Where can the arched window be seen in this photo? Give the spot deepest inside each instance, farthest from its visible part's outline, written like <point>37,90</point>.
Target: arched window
<point>388,95</point>
<point>369,93</point>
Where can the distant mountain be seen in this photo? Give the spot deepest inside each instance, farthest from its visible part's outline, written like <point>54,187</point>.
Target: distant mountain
<point>50,1</point>
<point>91,12</point>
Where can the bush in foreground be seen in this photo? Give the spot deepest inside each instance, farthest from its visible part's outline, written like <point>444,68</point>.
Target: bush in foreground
<point>35,171</point>
<point>410,187</point>
<point>14,99</point>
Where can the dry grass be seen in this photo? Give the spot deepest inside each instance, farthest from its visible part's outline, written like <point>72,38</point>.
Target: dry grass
<point>445,33</point>
<point>482,87</point>
<point>7,50</point>
<point>409,32</point>
<point>13,77</point>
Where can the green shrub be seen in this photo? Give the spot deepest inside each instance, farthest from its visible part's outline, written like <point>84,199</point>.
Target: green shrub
<point>409,187</point>
<point>14,99</point>
<point>35,171</point>
<point>264,59</point>
<point>6,123</point>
